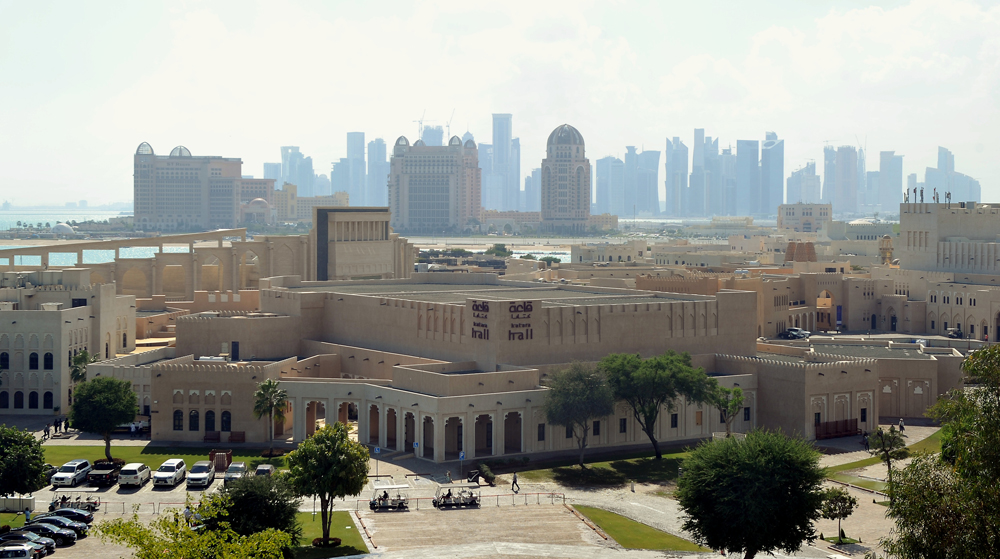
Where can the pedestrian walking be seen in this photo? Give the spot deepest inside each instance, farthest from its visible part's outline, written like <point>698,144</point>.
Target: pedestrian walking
<point>187,515</point>
<point>46,432</point>
<point>133,429</point>
<point>901,426</point>
<point>864,440</point>
<point>514,484</point>
<point>27,515</point>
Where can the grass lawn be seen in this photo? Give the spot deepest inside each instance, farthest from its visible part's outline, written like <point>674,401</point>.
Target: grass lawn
<point>845,540</point>
<point>859,481</point>
<point>341,527</point>
<point>641,468</point>
<point>152,456</point>
<point>13,520</point>
<point>931,444</point>
<point>635,535</point>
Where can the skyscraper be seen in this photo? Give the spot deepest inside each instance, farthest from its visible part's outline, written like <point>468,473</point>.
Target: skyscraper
<point>890,182</point>
<point>647,183</point>
<point>357,174</point>
<point>630,186</point>
<point>297,169</point>
<point>513,176</point>
<point>945,179</point>
<point>727,166</point>
<point>565,182</point>
<point>378,174</point>
<point>804,185</point>
<point>434,188</point>
<point>696,187</point>
<point>845,194</point>
<point>747,177</point>
<point>433,136</point>
<point>676,180</point>
<point>273,171</point>
<point>772,173</point>
<point>507,185</point>
<point>715,192</point>
<point>829,173</point>
<point>610,186</point>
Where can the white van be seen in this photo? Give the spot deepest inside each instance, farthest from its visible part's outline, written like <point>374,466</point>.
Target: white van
<point>170,472</point>
<point>136,474</point>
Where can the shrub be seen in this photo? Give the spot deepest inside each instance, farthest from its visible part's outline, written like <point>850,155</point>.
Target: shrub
<point>842,536</point>
<point>332,542</point>
<point>273,453</point>
<point>4,529</point>
<point>487,474</point>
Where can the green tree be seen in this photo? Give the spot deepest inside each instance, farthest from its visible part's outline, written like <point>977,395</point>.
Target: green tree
<point>329,464</point>
<point>838,504</point>
<point>650,385</point>
<point>78,367</point>
<point>550,260</point>
<point>22,462</point>
<point>576,397</point>
<point>255,503</point>
<point>102,404</point>
<point>270,400</point>
<point>949,505</point>
<point>529,256</point>
<point>729,402</point>
<point>753,495</point>
<point>168,536</point>
<point>498,249</point>
<point>887,446</point>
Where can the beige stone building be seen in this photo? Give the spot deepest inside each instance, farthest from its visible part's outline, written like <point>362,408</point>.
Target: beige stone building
<point>47,318</point>
<point>565,182</point>
<point>804,218</point>
<point>182,192</point>
<point>435,188</point>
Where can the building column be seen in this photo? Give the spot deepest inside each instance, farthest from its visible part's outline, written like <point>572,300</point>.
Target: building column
<point>298,420</point>
<point>400,430</point>
<point>235,271</point>
<point>498,433</point>
<point>418,433</point>
<point>439,438</point>
<point>363,422</point>
<point>467,427</point>
<point>383,429</point>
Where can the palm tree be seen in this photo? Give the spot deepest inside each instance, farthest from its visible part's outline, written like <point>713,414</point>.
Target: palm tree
<point>271,401</point>
<point>78,367</point>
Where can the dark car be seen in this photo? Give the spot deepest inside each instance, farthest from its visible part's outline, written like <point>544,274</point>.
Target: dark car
<point>79,527</point>
<point>76,515</point>
<point>61,535</point>
<point>49,543</point>
<point>955,333</point>
<point>794,334</point>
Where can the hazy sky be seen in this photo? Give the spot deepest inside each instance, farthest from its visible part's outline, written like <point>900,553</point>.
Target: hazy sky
<point>83,83</point>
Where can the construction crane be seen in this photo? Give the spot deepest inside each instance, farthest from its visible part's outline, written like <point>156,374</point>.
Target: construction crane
<point>449,124</point>
<point>420,125</point>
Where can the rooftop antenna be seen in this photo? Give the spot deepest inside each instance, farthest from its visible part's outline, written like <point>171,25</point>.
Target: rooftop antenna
<point>420,125</point>
<point>449,123</point>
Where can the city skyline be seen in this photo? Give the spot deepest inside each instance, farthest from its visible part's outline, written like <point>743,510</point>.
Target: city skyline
<point>906,78</point>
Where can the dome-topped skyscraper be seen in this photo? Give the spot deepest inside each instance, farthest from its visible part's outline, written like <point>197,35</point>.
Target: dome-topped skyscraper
<point>565,182</point>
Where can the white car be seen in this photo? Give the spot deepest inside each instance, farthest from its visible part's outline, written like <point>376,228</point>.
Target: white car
<point>202,474</point>
<point>170,472</point>
<point>72,473</point>
<point>136,474</point>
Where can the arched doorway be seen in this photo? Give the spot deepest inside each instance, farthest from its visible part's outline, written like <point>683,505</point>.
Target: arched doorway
<point>428,442</point>
<point>390,429</point>
<point>874,322</point>
<point>249,270</point>
<point>512,433</point>
<point>134,282</point>
<point>825,307</point>
<point>409,431</point>
<point>484,435</point>
<point>890,315</point>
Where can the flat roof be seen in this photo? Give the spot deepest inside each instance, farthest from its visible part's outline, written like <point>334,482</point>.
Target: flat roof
<point>874,352</point>
<point>550,295</point>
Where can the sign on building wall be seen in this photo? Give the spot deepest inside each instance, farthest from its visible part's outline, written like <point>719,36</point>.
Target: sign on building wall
<point>480,319</point>
<point>520,320</point>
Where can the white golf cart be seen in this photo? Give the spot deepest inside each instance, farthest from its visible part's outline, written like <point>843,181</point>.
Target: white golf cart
<point>457,495</point>
<point>389,497</point>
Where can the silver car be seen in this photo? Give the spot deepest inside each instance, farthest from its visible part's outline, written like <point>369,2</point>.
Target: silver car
<point>201,474</point>
<point>236,471</point>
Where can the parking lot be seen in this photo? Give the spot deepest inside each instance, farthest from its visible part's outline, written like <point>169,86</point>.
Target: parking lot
<point>119,500</point>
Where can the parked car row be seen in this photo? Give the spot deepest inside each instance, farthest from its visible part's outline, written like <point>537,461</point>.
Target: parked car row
<point>170,473</point>
<point>41,535</point>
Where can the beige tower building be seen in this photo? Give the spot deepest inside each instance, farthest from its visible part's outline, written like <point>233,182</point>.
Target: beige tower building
<point>565,182</point>
<point>434,188</point>
<point>180,192</point>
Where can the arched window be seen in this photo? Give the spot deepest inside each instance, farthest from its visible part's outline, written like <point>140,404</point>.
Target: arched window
<point>107,351</point>
<point>19,400</point>
<point>33,400</point>
<point>210,421</point>
<point>47,400</point>
<point>48,361</point>
<point>4,360</point>
<point>193,421</point>
<point>124,341</point>
<point>227,420</point>
<point>178,420</point>
<point>4,400</point>
<point>33,361</point>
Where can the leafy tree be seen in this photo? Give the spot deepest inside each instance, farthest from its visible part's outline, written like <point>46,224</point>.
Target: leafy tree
<point>498,249</point>
<point>838,504</point>
<point>650,385</point>
<point>255,503</point>
<point>270,400</point>
<point>729,402</point>
<point>22,462</point>
<point>529,256</point>
<point>577,396</point>
<point>753,495</point>
<point>329,464</point>
<point>949,505</point>
<point>550,260</point>
<point>887,446</point>
<point>78,367</point>
<point>102,404</point>
<point>168,536</point>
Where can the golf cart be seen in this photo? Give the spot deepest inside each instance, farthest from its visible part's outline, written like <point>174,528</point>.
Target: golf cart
<point>389,497</point>
<point>457,495</point>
